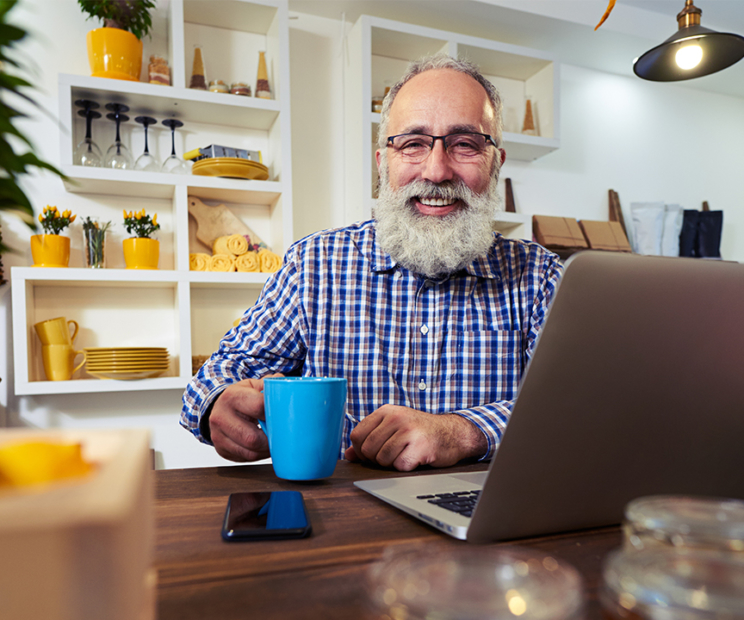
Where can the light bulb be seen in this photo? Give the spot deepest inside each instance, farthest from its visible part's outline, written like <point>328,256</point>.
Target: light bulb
<point>689,56</point>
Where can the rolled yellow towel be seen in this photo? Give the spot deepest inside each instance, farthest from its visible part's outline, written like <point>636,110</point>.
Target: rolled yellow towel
<point>221,262</point>
<point>248,262</point>
<point>232,245</point>
<point>270,262</point>
<point>199,261</point>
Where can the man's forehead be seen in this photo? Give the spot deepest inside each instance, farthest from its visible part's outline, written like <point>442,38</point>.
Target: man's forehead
<point>444,98</point>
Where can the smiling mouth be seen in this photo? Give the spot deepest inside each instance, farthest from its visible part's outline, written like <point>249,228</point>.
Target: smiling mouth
<point>436,202</point>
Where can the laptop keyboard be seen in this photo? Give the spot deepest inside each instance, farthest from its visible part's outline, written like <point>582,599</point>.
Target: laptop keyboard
<point>461,502</point>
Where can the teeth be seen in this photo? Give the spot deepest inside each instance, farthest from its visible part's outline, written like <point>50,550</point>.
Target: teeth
<point>435,202</point>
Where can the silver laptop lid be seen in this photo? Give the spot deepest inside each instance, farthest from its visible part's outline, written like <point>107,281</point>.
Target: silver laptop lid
<point>636,387</point>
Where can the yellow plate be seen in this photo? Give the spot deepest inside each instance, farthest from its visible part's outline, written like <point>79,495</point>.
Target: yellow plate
<point>127,376</point>
<point>127,356</point>
<point>126,349</point>
<point>231,167</point>
<point>144,366</point>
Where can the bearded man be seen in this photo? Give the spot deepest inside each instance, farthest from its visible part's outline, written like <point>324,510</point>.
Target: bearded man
<point>429,315</point>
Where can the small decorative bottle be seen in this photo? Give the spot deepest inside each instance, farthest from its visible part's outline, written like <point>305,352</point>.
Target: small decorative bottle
<point>198,79</point>
<point>528,126</point>
<point>263,91</point>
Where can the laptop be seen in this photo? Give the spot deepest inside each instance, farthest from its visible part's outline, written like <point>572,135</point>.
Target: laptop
<point>635,388</point>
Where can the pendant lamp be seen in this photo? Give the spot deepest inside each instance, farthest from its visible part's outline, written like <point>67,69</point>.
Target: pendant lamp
<point>693,51</point>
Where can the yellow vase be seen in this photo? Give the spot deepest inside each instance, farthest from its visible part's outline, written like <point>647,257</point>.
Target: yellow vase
<point>114,53</point>
<point>50,250</point>
<point>141,253</point>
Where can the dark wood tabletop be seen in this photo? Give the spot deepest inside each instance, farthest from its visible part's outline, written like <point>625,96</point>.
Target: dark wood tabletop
<point>322,576</point>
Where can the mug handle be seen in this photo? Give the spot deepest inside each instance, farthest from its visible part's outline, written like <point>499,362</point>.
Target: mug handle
<point>74,333</point>
<point>80,365</point>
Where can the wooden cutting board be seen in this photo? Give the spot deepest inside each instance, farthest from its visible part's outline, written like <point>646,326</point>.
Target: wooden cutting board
<point>219,221</point>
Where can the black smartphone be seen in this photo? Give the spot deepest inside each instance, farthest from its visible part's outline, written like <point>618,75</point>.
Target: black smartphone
<point>269,514</point>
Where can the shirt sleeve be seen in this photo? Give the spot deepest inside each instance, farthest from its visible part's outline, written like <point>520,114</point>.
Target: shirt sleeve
<point>269,339</point>
<point>492,418</point>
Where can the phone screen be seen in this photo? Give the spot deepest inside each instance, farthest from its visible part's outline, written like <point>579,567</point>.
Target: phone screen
<point>270,514</point>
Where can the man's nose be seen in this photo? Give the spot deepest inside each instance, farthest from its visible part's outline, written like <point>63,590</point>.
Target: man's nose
<point>438,166</point>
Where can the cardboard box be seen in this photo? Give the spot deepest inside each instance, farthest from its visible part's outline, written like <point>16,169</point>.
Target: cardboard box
<point>605,236</point>
<point>81,550</point>
<point>557,232</point>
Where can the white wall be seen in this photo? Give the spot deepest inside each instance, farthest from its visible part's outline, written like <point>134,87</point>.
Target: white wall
<point>646,141</point>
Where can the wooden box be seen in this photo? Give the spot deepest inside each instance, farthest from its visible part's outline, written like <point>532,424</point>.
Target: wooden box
<point>605,236</point>
<point>557,232</point>
<point>81,550</point>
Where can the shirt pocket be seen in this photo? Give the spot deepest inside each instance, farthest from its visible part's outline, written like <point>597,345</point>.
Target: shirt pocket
<point>483,366</point>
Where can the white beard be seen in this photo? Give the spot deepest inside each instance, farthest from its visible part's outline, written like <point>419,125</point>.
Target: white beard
<point>431,245</point>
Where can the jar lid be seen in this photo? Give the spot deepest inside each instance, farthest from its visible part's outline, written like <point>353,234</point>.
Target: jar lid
<point>684,584</point>
<point>217,83</point>
<point>473,583</point>
<point>239,85</point>
<point>689,520</point>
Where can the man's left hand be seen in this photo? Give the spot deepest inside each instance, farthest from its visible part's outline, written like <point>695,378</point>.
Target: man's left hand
<point>406,438</point>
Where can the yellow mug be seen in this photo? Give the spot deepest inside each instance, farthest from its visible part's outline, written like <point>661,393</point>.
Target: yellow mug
<point>59,361</point>
<point>56,331</point>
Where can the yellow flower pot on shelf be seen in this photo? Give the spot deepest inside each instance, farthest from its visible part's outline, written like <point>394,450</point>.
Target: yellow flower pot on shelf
<point>114,53</point>
<point>141,253</point>
<point>50,250</point>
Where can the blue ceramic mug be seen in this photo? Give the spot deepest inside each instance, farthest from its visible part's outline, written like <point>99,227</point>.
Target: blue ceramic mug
<point>304,421</point>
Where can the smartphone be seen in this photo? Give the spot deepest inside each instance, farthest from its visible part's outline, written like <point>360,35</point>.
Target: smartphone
<point>261,515</point>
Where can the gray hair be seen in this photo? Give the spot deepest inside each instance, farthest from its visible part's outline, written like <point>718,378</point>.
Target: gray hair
<point>440,61</point>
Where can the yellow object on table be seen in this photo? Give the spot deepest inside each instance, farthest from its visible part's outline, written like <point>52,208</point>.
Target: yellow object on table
<point>270,262</point>
<point>221,262</point>
<point>32,463</point>
<point>232,245</point>
<point>199,261</point>
<point>248,262</point>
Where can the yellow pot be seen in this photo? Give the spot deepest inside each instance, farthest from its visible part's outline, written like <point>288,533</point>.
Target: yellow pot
<point>141,253</point>
<point>114,53</point>
<point>50,250</point>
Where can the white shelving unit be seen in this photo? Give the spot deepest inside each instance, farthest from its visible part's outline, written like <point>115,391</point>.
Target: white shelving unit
<point>185,311</point>
<point>379,52</point>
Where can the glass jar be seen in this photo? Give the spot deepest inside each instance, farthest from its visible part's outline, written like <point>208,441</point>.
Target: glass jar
<point>669,584</point>
<point>685,522</point>
<point>218,86</point>
<point>466,582</point>
<point>240,88</point>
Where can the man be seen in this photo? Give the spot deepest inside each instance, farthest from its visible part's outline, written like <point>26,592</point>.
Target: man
<point>429,315</point>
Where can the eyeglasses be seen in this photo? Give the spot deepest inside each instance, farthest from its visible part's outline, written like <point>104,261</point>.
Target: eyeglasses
<point>461,147</point>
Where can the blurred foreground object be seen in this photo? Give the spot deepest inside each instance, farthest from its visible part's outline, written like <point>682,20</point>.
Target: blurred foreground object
<point>80,550</point>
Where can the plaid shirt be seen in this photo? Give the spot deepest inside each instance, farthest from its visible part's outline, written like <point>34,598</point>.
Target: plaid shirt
<point>341,307</point>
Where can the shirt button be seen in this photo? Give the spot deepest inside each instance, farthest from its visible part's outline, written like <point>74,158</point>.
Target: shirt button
<point>422,385</point>
<point>398,275</point>
<point>424,330</point>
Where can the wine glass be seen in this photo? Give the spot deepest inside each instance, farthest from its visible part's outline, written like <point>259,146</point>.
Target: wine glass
<point>87,152</point>
<point>118,155</point>
<point>146,161</point>
<point>173,163</point>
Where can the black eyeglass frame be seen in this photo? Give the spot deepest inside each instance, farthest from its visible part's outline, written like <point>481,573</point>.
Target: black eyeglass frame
<point>489,138</point>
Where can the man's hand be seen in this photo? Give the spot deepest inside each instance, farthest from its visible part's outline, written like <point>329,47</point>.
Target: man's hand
<point>233,423</point>
<point>406,438</point>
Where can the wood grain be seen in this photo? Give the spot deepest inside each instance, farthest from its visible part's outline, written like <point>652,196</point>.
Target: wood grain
<point>200,576</point>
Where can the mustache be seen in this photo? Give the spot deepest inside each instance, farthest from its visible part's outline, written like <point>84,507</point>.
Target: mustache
<point>447,190</point>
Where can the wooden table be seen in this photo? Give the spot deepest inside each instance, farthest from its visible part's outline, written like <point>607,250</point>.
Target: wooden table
<point>322,576</point>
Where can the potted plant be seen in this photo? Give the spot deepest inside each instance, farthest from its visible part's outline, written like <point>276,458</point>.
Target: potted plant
<point>140,251</point>
<point>52,249</point>
<point>13,165</point>
<point>115,51</point>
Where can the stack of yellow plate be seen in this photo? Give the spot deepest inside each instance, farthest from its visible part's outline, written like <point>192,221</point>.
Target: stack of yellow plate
<point>234,167</point>
<point>126,362</point>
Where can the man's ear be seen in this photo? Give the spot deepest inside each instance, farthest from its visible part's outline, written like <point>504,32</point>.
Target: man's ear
<point>377,158</point>
<point>503,155</point>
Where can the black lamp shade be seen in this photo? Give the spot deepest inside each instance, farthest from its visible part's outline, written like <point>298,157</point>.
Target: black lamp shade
<point>720,50</point>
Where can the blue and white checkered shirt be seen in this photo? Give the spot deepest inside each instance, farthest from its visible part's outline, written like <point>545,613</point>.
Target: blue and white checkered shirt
<point>341,307</point>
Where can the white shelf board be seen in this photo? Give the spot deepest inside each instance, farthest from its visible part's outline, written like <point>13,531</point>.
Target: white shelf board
<point>87,386</point>
<point>134,183</point>
<point>213,279</point>
<point>254,17</point>
<point>186,104</point>
<point>96,277</point>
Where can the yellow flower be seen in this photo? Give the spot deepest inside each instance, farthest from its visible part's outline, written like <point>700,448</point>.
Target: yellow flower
<point>66,213</point>
<point>126,215</point>
<point>41,218</point>
<point>72,218</point>
<point>137,216</point>
<point>155,220</point>
<point>55,209</point>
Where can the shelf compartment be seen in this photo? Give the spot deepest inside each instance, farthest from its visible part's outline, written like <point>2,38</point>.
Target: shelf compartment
<point>89,386</point>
